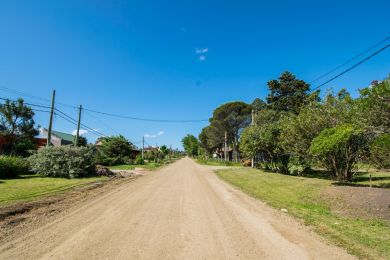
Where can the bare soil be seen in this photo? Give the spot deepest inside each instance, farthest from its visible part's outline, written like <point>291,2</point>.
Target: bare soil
<point>182,211</point>
<point>362,202</point>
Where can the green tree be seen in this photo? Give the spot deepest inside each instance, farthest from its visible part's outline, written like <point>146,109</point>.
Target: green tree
<point>83,141</point>
<point>287,93</point>
<point>212,137</point>
<point>164,149</point>
<point>17,126</point>
<point>380,151</point>
<point>251,141</point>
<point>267,132</point>
<point>298,131</point>
<point>374,104</point>
<point>258,105</point>
<point>338,149</point>
<point>231,118</point>
<point>114,150</point>
<point>191,145</point>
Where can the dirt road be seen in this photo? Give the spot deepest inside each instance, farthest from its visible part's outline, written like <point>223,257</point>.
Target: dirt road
<point>182,211</point>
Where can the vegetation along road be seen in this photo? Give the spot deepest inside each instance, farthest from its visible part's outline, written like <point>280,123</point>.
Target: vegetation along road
<point>178,212</point>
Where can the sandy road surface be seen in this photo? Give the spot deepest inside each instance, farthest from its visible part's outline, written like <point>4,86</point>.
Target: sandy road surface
<point>182,211</point>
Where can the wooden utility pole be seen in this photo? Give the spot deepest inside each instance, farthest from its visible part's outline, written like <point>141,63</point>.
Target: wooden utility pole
<point>78,127</point>
<point>253,123</point>
<point>143,146</point>
<point>226,146</point>
<point>51,119</point>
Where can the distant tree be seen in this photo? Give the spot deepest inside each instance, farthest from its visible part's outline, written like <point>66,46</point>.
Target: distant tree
<point>82,141</point>
<point>251,141</point>
<point>231,118</point>
<point>212,137</point>
<point>338,149</point>
<point>17,126</point>
<point>164,149</point>
<point>287,93</point>
<point>258,105</point>
<point>380,151</point>
<point>114,150</point>
<point>374,104</point>
<point>191,145</point>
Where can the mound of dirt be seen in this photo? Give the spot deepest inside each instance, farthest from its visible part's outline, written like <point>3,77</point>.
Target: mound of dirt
<point>101,170</point>
<point>360,201</point>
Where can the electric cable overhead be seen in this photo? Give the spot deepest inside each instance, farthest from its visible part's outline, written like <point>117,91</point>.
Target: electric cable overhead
<point>350,60</point>
<point>58,113</point>
<point>352,67</point>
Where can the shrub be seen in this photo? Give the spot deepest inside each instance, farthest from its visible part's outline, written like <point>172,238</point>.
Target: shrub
<point>62,161</point>
<point>114,150</point>
<point>138,160</point>
<point>338,150</point>
<point>380,151</point>
<point>12,167</point>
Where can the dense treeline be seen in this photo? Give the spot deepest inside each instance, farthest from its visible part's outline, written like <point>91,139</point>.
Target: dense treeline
<point>294,130</point>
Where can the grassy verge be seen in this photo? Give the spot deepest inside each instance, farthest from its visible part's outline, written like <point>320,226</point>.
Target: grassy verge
<point>29,187</point>
<point>369,239</point>
<point>147,166</point>
<point>213,162</point>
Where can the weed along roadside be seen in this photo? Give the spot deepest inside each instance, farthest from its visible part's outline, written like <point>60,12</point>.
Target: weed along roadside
<point>364,234</point>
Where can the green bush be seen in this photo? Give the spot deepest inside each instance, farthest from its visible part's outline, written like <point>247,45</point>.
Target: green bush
<point>62,161</point>
<point>380,151</point>
<point>138,160</point>
<point>114,150</point>
<point>338,149</point>
<point>12,167</point>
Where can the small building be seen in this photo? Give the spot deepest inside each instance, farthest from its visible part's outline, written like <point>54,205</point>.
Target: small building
<point>57,138</point>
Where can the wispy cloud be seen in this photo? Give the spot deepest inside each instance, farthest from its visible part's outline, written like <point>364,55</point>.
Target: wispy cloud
<point>81,132</point>
<point>154,135</point>
<point>201,50</point>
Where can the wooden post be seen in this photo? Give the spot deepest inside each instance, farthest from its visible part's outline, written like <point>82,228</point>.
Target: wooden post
<point>51,119</point>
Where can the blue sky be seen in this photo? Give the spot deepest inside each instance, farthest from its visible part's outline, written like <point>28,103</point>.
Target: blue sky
<point>177,59</point>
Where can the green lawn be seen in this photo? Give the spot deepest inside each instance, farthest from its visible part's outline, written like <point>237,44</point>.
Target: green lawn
<point>29,187</point>
<point>148,166</point>
<point>213,162</point>
<point>379,179</point>
<point>369,239</point>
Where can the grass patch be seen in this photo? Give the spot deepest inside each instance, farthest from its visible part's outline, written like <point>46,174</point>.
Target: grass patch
<point>148,166</point>
<point>379,179</point>
<point>29,187</point>
<point>369,239</point>
<point>213,162</point>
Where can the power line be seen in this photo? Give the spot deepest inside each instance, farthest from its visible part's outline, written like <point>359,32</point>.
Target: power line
<point>148,119</point>
<point>101,122</point>
<point>350,68</point>
<point>83,125</point>
<point>350,60</point>
<point>60,114</point>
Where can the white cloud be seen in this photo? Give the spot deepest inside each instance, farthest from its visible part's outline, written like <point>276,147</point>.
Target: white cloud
<point>81,132</point>
<point>154,135</point>
<point>201,50</point>
<point>202,57</point>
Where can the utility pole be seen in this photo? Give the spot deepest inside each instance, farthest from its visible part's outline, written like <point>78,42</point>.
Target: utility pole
<point>143,146</point>
<point>78,127</point>
<point>226,146</point>
<point>51,119</point>
<point>253,123</point>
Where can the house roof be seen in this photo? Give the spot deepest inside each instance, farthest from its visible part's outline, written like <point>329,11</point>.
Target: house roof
<point>63,136</point>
